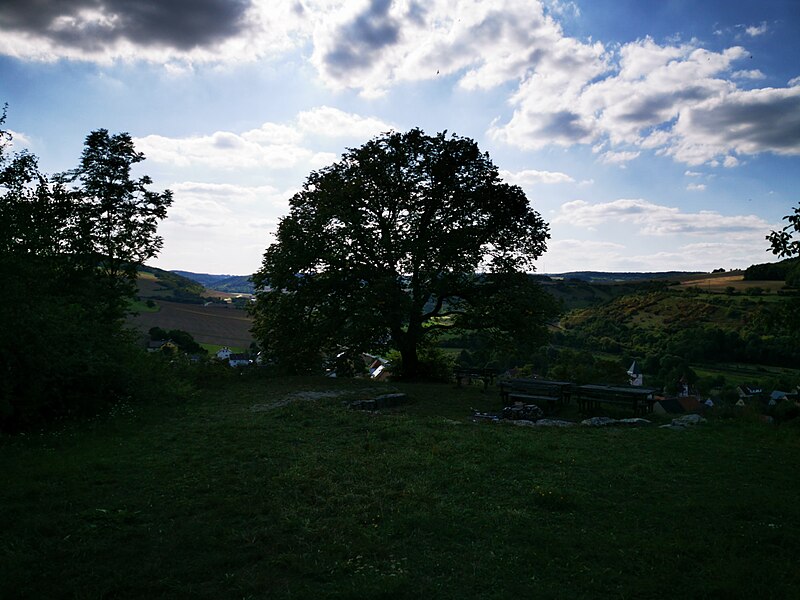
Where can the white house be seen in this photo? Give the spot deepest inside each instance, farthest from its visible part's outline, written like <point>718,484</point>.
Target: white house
<point>635,374</point>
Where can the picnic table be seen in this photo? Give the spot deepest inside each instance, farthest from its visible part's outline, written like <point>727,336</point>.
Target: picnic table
<point>466,375</point>
<point>639,399</point>
<point>536,391</point>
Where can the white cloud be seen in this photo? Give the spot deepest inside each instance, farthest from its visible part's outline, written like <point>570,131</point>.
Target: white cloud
<point>741,121</point>
<point>213,226</point>
<point>273,145</point>
<point>18,140</point>
<point>332,122</point>
<point>678,100</point>
<point>223,150</point>
<point>756,30</point>
<point>670,98</point>
<point>658,220</point>
<point>692,174</point>
<point>618,158</point>
<point>563,8</point>
<point>730,161</point>
<point>696,187</point>
<point>375,44</point>
<point>530,176</point>
<point>565,255</point>
<point>748,74</point>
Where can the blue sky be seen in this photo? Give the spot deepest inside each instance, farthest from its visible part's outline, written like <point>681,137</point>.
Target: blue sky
<point>650,135</point>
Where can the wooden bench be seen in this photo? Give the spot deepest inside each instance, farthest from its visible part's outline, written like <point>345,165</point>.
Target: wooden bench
<point>465,375</point>
<point>550,394</point>
<point>640,400</point>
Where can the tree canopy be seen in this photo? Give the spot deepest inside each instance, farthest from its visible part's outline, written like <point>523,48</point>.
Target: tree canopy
<point>405,237</point>
<point>783,242</point>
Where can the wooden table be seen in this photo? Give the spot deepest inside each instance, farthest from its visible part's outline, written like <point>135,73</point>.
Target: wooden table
<point>639,399</point>
<point>536,391</point>
<point>485,375</point>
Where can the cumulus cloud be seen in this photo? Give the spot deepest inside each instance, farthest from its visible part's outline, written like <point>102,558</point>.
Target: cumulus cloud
<point>740,121</point>
<point>376,44</point>
<point>273,145</point>
<point>658,220</point>
<point>332,122</point>
<point>677,99</point>
<point>567,255</point>
<point>157,30</point>
<point>202,217</point>
<point>696,187</point>
<point>530,176</point>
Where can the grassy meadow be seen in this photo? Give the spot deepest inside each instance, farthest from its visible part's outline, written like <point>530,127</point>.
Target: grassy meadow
<point>272,488</point>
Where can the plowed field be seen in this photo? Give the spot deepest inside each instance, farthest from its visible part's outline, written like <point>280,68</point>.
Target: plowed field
<point>221,325</point>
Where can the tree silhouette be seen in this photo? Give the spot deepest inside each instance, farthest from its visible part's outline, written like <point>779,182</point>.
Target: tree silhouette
<point>405,237</point>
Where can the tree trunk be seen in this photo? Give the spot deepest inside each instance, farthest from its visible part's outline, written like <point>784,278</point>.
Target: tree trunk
<point>407,344</point>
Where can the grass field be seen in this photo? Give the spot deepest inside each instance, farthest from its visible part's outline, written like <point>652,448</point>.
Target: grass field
<point>250,491</point>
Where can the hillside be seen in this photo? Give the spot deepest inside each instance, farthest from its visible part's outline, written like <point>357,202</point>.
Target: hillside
<point>577,293</point>
<point>154,283</point>
<point>613,277</point>
<point>235,284</point>
<point>750,327</point>
<point>171,301</point>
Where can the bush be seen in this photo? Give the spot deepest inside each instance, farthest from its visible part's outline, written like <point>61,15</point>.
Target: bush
<point>434,364</point>
<point>786,410</point>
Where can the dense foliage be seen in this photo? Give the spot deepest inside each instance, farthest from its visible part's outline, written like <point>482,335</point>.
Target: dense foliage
<point>669,330</point>
<point>785,270</point>
<point>405,237</point>
<point>68,258</point>
<point>786,241</point>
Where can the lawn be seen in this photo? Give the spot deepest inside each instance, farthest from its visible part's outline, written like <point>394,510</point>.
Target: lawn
<point>249,491</point>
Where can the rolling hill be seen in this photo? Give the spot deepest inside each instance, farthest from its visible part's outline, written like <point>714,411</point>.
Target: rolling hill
<point>235,284</point>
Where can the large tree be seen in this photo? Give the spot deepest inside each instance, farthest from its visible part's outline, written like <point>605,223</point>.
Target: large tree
<point>120,213</point>
<point>405,237</point>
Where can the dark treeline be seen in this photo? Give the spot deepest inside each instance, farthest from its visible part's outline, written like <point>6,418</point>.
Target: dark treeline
<point>786,270</point>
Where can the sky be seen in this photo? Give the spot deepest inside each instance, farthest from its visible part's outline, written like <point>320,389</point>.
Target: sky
<point>651,136</point>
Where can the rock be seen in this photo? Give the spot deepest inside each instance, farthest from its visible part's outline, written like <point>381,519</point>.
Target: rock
<point>599,422</point>
<point>523,423</point>
<point>688,420</point>
<point>554,423</point>
<point>673,427</point>
<point>529,412</point>
<point>479,416</point>
<point>634,422</point>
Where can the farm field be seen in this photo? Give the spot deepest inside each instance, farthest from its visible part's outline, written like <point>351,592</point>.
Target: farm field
<point>271,488</point>
<point>220,325</point>
<point>737,282</point>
